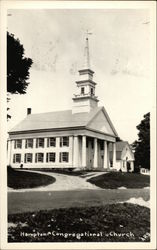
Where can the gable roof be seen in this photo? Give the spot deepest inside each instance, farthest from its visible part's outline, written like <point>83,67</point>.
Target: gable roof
<point>56,120</point>
<point>120,145</point>
<point>102,122</point>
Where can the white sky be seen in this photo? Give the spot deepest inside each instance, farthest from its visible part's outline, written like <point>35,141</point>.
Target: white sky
<point>120,57</point>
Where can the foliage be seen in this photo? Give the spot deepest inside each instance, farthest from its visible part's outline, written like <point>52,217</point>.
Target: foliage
<point>17,66</point>
<point>76,224</point>
<point>142,145</point>
<point>118,139</point>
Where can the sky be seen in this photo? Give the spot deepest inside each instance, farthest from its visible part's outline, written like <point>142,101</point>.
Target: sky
<point>119,47</point>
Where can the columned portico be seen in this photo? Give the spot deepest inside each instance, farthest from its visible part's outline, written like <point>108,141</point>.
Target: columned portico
<point>95,165</point>
<point>84,158</point>
<point>75,152</point>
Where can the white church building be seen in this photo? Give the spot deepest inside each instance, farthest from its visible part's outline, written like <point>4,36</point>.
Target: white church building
<point>82,137</point>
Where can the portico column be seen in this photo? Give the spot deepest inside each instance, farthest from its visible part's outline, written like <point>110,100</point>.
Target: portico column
<point>105,155</point>
<point>114,154</point>
<point>83,151</point>
<point>95,153</point>
<point>108,155</point>
<point>75,152</point>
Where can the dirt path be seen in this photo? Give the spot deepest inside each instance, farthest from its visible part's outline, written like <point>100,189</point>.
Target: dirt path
<point>63,182</point>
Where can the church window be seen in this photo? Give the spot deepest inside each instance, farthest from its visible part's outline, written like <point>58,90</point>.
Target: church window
<point>92,91</point>
<point>64,141</point>
<point>28,157</point>
<point>39,157</point>
<point>82,90</point>
<point>50,157</point>
<point>63,157</point>
<point>18,143</point>
<point>39,142</point>
<point>16,158</point>
<point>29,143</point>
<point>51,142</point>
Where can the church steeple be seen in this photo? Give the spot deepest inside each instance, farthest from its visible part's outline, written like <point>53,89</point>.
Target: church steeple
<point>85,99</point>
<point>86,55</point>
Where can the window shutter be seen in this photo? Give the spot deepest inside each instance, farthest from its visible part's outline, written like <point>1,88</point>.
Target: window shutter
<point>48,142</point>
<point>20,157</point>
<point>60,155</point>
<point>25,157</point>
<point>36,157</point>
<point>47,157</point>
<point>67,157</point>
<point>14,158</point>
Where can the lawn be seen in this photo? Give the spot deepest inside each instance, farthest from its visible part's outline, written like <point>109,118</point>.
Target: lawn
<point>18,179</point>
<point>121,222</point>
<point>117,179</point>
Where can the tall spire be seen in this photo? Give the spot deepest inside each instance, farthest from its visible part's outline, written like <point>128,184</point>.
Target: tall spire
<point>85,100</point>
<point>86,52</point>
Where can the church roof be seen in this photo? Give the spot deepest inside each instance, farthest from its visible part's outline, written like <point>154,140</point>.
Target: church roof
<point>60,120</point>
<point>57,119</point>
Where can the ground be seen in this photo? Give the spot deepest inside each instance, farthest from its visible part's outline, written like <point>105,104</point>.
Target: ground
<point>73,204</point>
<point>41,200</point>
<point>110,223</point>
<point>66,180</point>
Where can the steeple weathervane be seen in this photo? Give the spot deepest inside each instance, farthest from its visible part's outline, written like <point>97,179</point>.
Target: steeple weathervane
<point>86,52</point>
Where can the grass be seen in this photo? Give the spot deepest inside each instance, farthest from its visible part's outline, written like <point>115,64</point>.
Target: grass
<point>116,179</point>
<point>22,179</point>
<point>47,200</point>
<point>121,222</point>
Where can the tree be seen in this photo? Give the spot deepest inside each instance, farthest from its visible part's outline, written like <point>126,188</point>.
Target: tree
<point>142,145</point>
<point>17,66</point>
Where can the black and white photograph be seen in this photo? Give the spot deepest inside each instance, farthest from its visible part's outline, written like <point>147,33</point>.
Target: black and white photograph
<point>80,112</point>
